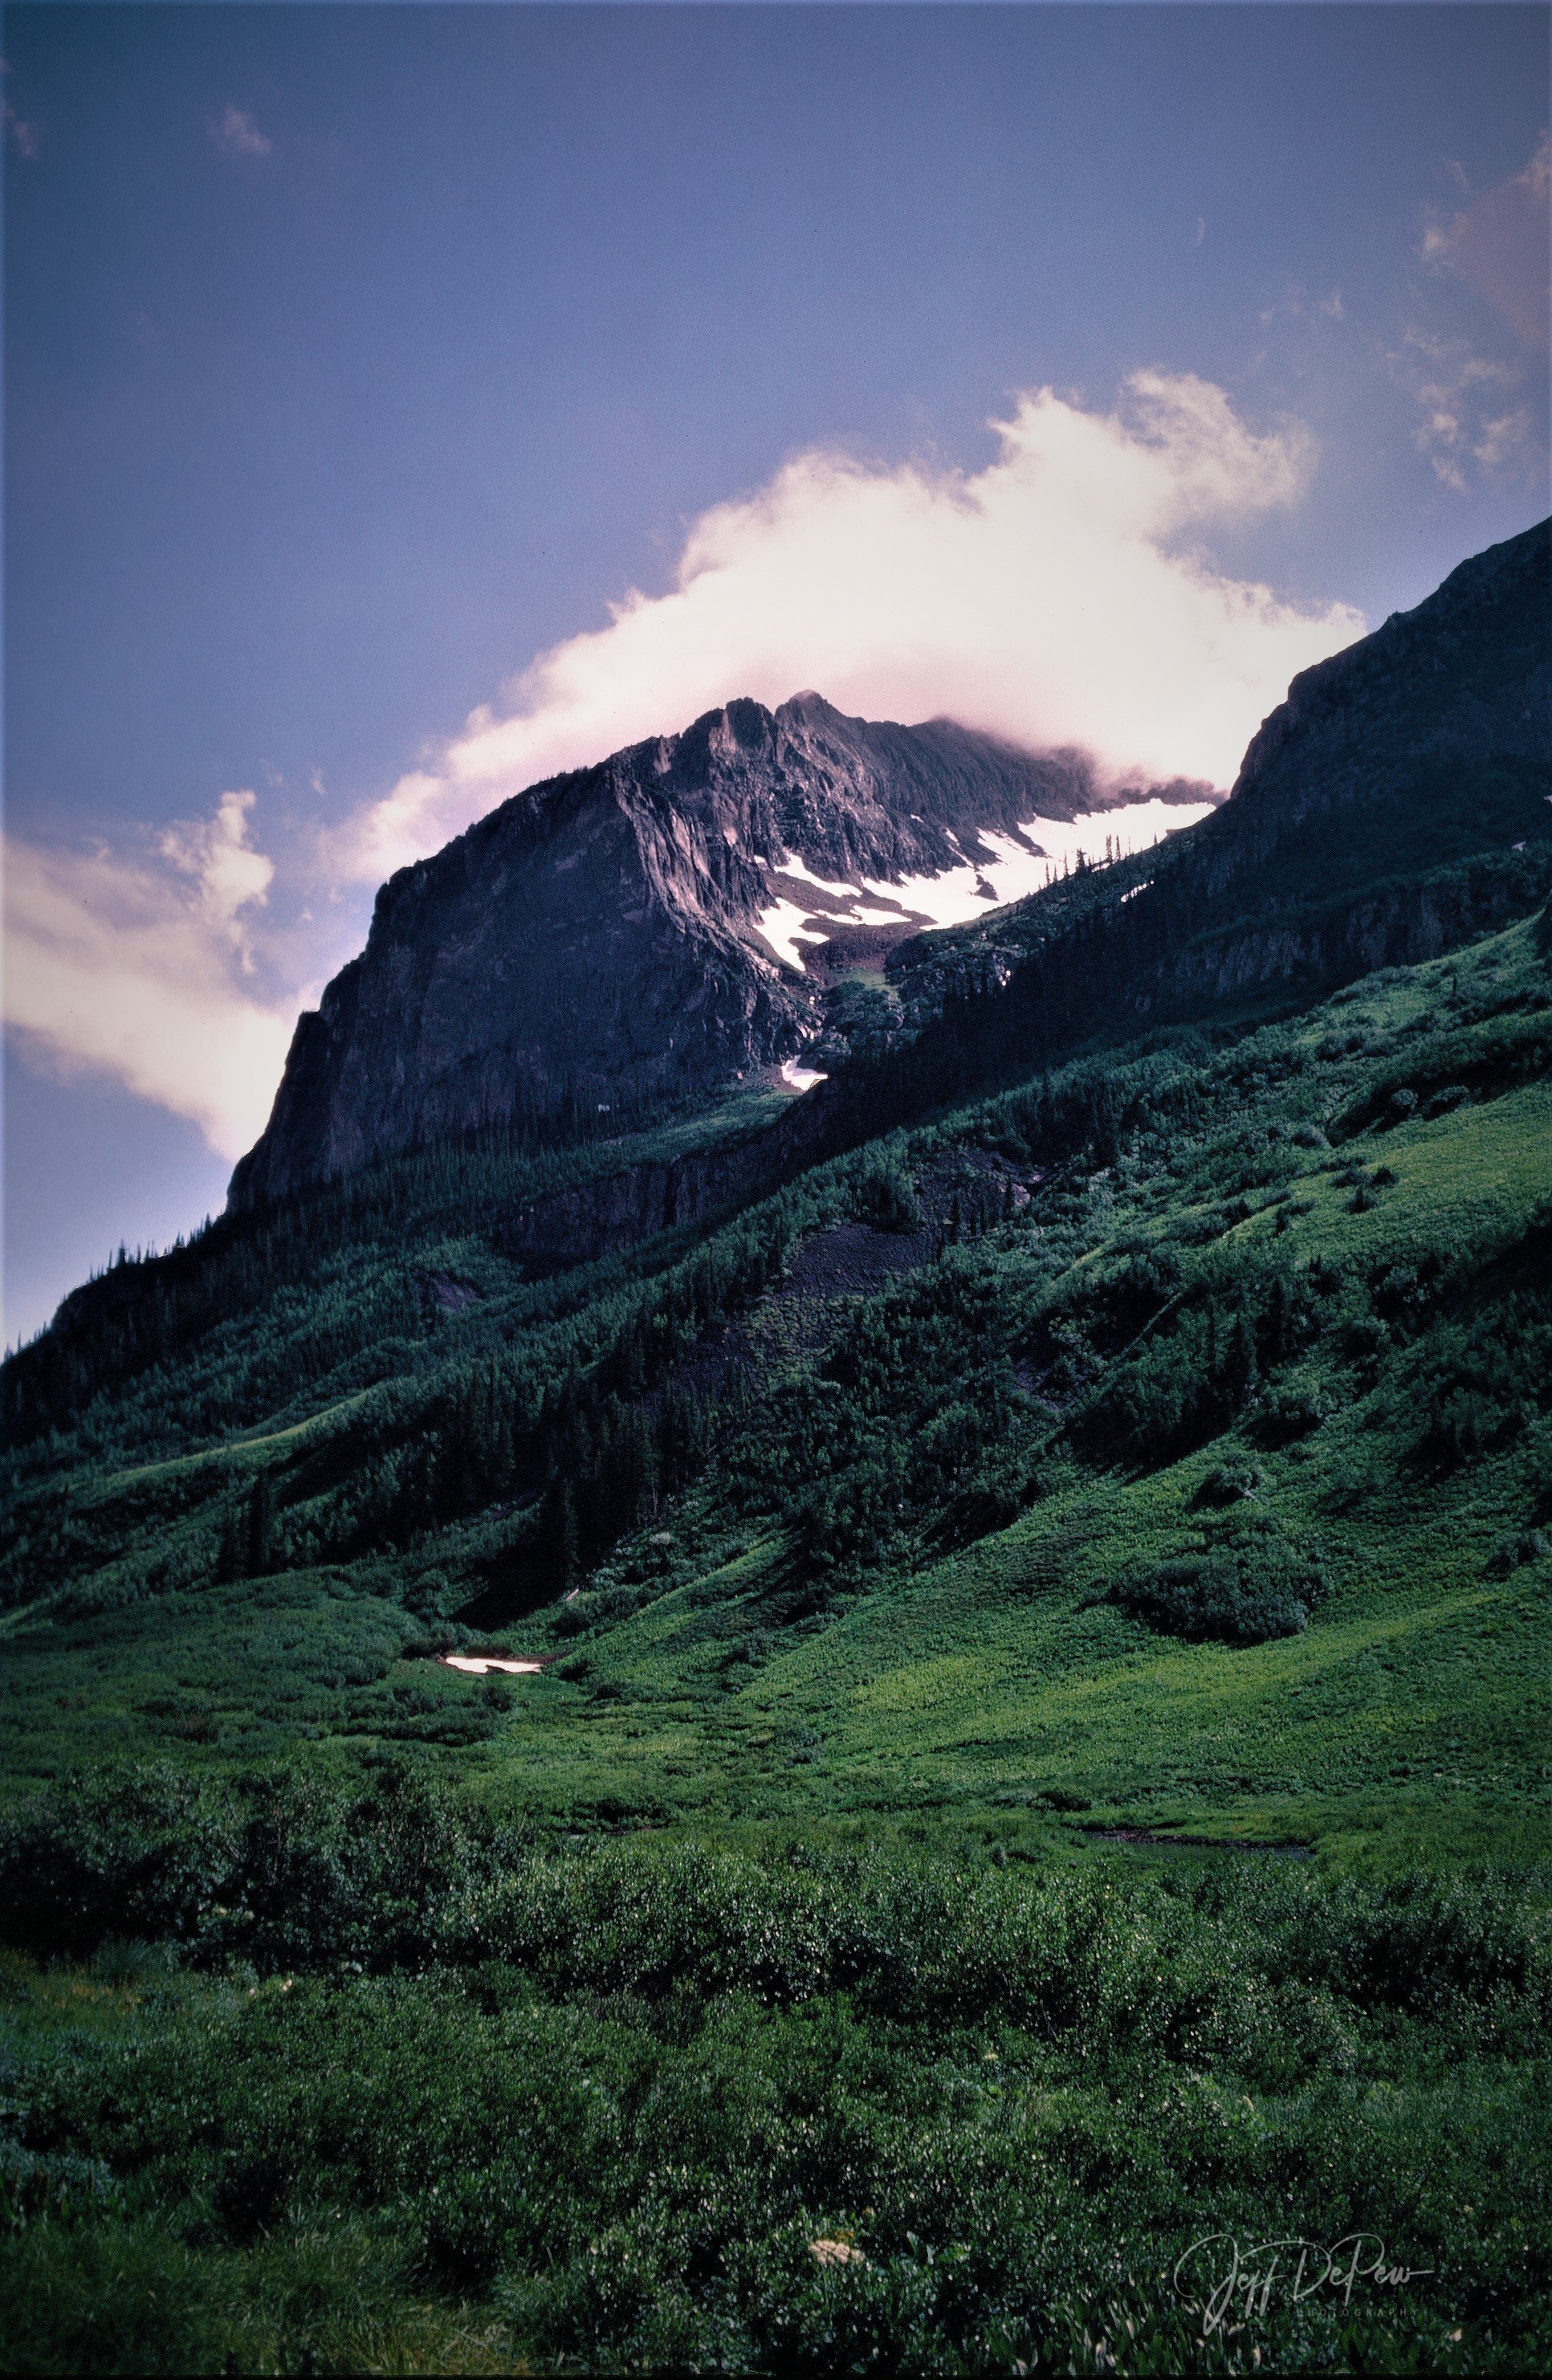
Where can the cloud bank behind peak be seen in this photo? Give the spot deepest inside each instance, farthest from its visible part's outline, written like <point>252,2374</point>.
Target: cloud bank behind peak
<point>1059,595</point>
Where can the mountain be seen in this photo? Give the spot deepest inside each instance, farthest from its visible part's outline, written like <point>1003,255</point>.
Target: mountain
<point>1396,802</point>
<point>685,914</point>
<point>1420,753</point>
<point>1422,747</point>
<point>665,922</point>
<point>837,1771</point>
<point>1393,806</point>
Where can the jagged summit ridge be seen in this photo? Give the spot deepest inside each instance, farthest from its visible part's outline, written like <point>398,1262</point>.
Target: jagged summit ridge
<point>644,923</point>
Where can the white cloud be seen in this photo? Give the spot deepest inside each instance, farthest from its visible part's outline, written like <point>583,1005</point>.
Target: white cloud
<point>236,135</point>
<point>1058,596</point>
<point>139,972</point>
<point>1506,440</point>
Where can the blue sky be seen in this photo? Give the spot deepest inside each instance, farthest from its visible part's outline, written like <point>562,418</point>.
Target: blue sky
<point>356,356</point>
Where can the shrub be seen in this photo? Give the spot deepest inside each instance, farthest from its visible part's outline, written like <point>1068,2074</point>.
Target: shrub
<point>1248,1585</point>
<point>1469,1420</point>
<point>1229,1483</point>
<point>1527,1545</point>
<point>1291,1413</point>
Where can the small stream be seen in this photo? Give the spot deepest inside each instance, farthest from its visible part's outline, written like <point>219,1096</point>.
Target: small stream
<point>1194,1843</point>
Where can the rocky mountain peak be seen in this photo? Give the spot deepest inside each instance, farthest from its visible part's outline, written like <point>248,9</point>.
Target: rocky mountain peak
<point>661,923</point>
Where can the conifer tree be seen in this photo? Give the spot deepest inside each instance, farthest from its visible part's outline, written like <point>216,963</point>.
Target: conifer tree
<point>261,1526</point>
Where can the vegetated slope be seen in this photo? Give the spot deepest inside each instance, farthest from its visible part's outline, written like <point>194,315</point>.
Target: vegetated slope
<point>354,1317</point>
<point>1274,1413</point>
<point>1162,1445</point>
<point>1051,1608</point>
<point>599,937</point>
<point>1311,1262</point>
<point>328,1245</point>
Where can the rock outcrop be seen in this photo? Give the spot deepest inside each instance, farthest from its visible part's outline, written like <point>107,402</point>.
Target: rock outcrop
<point>1421,744</point>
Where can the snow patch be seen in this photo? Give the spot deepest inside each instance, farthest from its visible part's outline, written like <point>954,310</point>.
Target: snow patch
<point>790,865</point>
<point>1023,859</point>
<point>478,1664</point>
<point>958,895</point>
<point>784,926</point>
<point>800,1079</point>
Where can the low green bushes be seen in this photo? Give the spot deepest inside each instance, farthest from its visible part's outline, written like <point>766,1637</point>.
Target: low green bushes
<point>291,1876</point>
<point>645,2108</point>
<point>1244,1583</point>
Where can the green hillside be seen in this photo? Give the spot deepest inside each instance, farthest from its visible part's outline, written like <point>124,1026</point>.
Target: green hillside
<point>1393,1443</point>
<point>1294,1329</point>
<point>1014,1834</point>
<point>1041,1755</point>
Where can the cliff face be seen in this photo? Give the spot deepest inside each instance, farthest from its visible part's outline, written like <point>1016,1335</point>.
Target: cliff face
<point>1397,803</point>
<point>601,931</point>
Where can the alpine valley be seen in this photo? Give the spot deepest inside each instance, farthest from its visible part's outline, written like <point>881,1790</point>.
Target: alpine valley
<point>819,1639</point>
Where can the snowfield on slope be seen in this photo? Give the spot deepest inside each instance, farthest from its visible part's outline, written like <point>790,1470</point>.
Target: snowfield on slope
<point>1025,861</point>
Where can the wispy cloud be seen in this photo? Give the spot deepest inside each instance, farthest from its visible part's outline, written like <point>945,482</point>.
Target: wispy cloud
<point>25,138</point>
<point>1062,595</point>
<point>144,971</point>
<point>1300,305</point>
<point>1501,244</point>
<point>1470,412</point>
<point>236,134</point>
